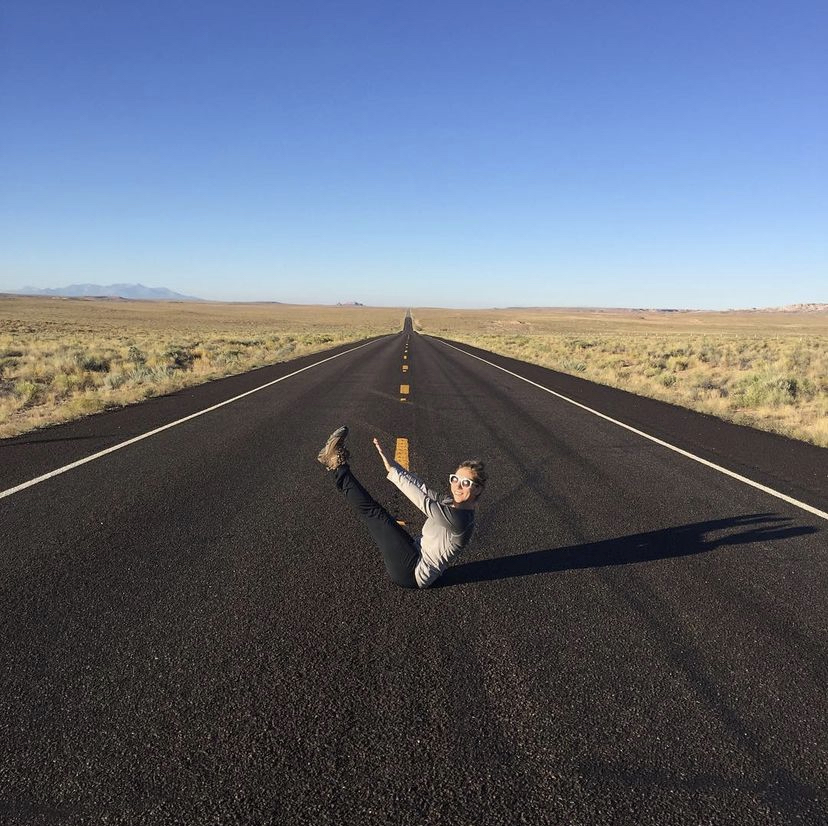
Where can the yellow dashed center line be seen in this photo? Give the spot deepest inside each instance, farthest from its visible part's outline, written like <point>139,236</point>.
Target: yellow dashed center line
<point>405,389</point>
<point>401,458</point>
<point>401,453</point>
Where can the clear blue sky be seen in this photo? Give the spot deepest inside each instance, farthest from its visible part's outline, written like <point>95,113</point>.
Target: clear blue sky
<point>432,153</point>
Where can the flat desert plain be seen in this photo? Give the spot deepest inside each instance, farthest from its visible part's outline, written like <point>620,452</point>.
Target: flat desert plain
<point>63,358</point>
<point>766,369</point>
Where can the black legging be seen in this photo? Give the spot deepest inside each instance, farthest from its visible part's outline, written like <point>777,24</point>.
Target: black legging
<point>398,549</point>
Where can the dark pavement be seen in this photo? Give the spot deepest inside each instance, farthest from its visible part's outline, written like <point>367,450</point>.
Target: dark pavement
<point>196,630</point>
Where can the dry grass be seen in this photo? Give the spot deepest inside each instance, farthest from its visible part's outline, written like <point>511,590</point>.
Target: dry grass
<point>64,358</point>
<point>767,370</point>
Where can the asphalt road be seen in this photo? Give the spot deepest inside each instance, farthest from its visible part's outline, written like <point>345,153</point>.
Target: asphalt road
<point>195,629</point>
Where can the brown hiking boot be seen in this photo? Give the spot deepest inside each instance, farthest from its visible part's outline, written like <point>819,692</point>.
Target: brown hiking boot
<point>335,453</point>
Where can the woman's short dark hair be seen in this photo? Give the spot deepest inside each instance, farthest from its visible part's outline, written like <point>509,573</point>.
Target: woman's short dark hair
<point>478,468</point>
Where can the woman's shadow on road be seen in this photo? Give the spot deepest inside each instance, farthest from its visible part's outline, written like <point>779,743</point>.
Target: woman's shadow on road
<point>642,547</point>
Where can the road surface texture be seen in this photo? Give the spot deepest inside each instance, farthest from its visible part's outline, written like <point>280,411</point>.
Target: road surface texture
<point>197,631</point>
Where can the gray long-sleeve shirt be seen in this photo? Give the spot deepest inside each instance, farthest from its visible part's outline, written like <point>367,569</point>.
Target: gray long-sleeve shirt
<point>446,531</point>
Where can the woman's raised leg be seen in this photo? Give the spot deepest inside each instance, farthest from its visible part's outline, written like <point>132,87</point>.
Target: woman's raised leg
<point>398,549</point>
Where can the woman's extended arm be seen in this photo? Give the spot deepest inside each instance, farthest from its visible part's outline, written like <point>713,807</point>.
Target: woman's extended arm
<point>378,446</point>
<point>390,465</point>
<point>426,500</point>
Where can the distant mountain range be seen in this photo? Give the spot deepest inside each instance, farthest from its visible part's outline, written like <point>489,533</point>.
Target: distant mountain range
<point>135,291</point>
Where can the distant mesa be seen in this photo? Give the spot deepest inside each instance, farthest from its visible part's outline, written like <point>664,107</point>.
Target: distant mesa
<point>349,304</point>
<point>133,291</point>
<point>793,308</point>
<point>812,307</point>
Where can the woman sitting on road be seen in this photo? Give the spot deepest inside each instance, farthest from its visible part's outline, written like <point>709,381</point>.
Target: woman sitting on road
<point>411,563</point>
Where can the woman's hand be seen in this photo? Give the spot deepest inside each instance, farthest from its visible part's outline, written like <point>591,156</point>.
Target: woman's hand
<point>385,461</point>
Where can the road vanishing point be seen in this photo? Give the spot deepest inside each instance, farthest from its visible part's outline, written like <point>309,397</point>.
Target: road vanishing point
<point>196,630</point>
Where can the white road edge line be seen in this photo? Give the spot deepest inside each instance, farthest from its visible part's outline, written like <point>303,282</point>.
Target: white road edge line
<point>790,500</point>
<point>135,439</point>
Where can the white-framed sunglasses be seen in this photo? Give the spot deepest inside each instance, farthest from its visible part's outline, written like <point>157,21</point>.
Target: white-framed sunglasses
<point>463,481</point>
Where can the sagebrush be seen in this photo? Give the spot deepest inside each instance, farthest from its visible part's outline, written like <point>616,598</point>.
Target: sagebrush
<point>64,358</point>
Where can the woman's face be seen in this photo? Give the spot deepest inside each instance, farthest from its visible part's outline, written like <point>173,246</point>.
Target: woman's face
<point>462,493</point>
